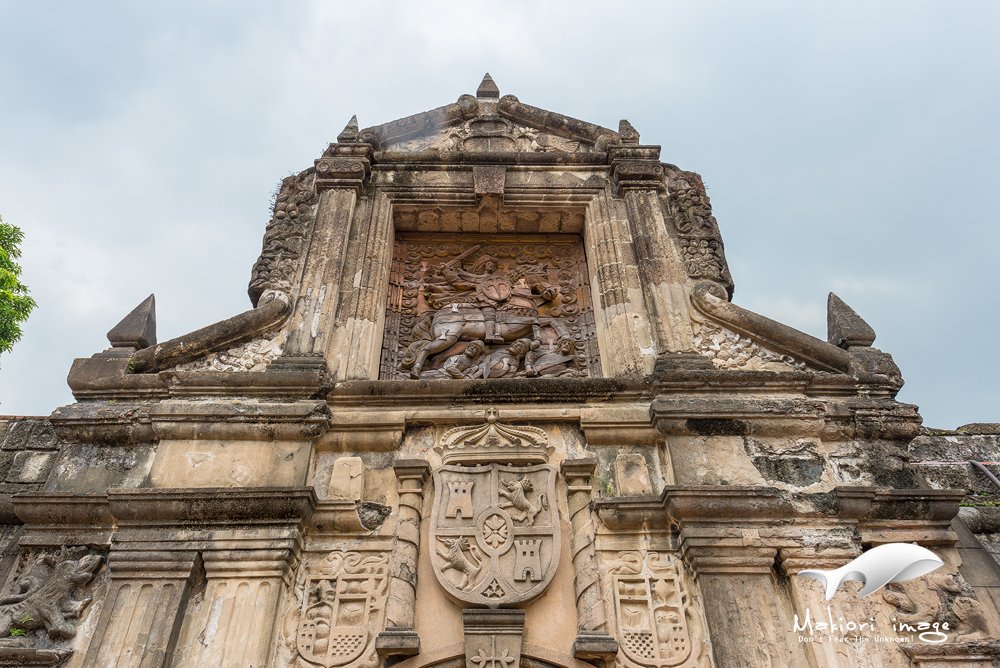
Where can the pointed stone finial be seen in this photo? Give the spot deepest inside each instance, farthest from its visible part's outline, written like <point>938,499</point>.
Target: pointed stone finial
<point>488,89</point>
<point>138,328</point>
<point>627,133</point>
<point>350,132</point>
<point>844,327</point>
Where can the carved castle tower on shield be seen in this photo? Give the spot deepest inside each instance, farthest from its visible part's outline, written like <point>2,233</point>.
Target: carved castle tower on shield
<point>493,405</point>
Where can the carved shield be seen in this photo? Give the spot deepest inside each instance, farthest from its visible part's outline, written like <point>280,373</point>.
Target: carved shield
<point>495,288</point>
<point>339,610</point>
<point>495,532</point>
<point>652,627</point>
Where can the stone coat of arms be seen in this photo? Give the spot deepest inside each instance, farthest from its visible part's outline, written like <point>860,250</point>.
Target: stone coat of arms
<point>342,609</point>
<point>495,532</point>
<point>652,607</point>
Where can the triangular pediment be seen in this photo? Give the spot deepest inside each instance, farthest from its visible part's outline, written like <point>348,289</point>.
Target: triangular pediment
<point>489,123</point>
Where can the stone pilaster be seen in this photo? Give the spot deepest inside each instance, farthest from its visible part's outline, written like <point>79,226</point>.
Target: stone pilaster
<point>361,316</point>
<point>237,543</point>
<point>399,638</point>
<point>144,608</point>
<point>235,624</point>
<point>592,640</point>
<point>340,177</point>
<point>622,332</point>
<point>748,616</point>
<point>492,637</point>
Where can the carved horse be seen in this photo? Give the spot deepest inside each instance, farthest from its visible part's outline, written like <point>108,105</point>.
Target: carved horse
<point>517,318</point>
<point>441,330</point>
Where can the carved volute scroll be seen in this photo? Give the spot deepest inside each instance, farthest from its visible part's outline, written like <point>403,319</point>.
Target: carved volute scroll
<point>489,306</point>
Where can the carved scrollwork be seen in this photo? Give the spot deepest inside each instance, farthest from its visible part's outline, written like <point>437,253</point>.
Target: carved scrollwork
<point>698,235</point>
<point>278,263</point>
<point>492,133</point>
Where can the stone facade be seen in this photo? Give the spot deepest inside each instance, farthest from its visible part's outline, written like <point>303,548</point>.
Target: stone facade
<point>493,407</point>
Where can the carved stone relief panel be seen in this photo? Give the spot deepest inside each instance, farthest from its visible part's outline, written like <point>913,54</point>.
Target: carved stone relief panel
<point>342,610</point>
<point>489,306</point>
<point>495,532</point>
<point>45,600</point>
<point>657,620</point>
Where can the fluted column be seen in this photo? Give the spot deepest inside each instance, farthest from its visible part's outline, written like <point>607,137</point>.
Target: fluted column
<point>399,638</point>
<point>592,640</point>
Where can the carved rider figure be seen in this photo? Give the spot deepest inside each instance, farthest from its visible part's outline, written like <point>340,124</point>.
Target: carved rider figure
<point>490,290</point>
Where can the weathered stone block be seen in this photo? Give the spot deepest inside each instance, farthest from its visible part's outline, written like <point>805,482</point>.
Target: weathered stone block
<point>30,467</point>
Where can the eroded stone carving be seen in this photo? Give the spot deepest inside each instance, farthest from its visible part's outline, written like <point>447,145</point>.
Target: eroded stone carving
<point>343,609</point>
<point>522,304</point>
<point>497,557</point>
<point>492,133</point>
<point>44,598</point>
<point>656,619</point>
<point>251,356</point>
<point>697,230</point>
<point>729,350</point>
<point>278,263</point>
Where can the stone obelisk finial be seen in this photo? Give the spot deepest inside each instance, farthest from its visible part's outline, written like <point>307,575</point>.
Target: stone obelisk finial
<point>488,88</point>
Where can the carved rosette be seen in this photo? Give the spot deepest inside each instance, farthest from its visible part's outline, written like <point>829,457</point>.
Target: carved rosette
<point>343,609</point>
<point>495,534</point>
<point>658,624</point>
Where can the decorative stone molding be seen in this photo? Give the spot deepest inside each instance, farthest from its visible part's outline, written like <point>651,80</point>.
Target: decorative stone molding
<point>494,441</point>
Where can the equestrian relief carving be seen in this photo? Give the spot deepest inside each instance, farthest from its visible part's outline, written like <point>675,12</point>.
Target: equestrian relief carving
<point>489,307</point>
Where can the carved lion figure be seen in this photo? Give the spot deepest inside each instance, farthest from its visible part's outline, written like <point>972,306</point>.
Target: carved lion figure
<point>45,597</point>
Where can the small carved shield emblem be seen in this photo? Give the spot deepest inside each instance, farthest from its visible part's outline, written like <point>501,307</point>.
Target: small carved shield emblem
<point>495,532</point>
<point>650,605</point>
<point>341,608</point>
<point>495,288</point>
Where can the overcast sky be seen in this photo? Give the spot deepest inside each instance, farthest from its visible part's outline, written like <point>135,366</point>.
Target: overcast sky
<point>850,147</point>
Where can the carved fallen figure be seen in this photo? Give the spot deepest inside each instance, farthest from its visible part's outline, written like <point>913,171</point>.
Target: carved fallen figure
<point>557,363</point>
<point>44,599</point>
<point>486,305</point>
<point>506,363</point>
<point>466,364</point>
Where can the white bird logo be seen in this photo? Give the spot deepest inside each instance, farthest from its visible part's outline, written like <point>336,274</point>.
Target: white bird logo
<point>893,562</point>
